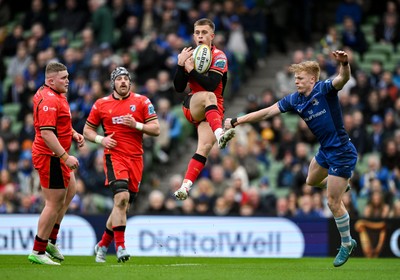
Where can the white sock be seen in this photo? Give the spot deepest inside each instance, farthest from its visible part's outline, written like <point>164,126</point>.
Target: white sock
<point>188,184</point>
<point>218,133</point>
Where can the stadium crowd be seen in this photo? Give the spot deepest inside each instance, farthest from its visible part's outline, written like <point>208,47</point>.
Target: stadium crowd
<point>263,170</point>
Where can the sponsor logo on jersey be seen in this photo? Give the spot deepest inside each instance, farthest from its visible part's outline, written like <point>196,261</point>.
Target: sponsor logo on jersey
<point>220,63</point>
<point>45,108</point>
<point>133,108</point>
<point>151,109</point>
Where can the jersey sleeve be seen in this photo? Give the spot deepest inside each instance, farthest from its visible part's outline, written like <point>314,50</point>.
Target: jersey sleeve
<point>286,104</point>
<point>219,62</point>
<point>148,110</point>
<point>94,118</point>
<point>47,111</point>
<point>327,87</point>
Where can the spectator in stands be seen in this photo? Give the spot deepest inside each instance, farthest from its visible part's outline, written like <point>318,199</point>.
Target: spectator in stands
<point>71,17</point>
<point>171,124</point>
<point>362,87</point>
<point>27,133</point>
<point>377,137</point>
<point>5,129</point>
<point>18,91</point>
<point>166,88</point>
<point>284,82</point>
<point>19,63</point>
<point>39,35</point>
<point>282,208</point>
<point>375,76</point>
<point>120,13</point>
<point>89,47</point>
<point>267,197</point>
<point>101,21</point>
<point>129,31</point>
<point>376,207</point>
<point>37,14</point>
<point>221,207</point>
<point>33,76</point>
<point>358,132</point>
<point>148,63</point>
<point>395,211</point>
<point>351,9</point>
<point>374,171</point>
<point>388,30</point>
<point>205,192</point>
<point>96,71</point>
<point>293,203</point>
<point>306,209</point>
<point>232,203</point>
<point>188,207</point>
<point>12,40</point>
<point>149,19</point>
<point>156,203</point>
<point>390,156</point>
<point>353,37</point>
<point>373,107</point>
<point>330,41</point>
<point>286,174</point>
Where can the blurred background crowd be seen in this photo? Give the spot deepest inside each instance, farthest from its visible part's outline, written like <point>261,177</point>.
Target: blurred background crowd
<point>263,170</point>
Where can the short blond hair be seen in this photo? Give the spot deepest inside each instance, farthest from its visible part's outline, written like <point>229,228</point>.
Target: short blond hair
<point>54,67</point>
<point>310,67</point>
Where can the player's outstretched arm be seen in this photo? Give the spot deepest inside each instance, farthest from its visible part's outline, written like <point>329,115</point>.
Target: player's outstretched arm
<point>256,116</point>
<point>344,72</point>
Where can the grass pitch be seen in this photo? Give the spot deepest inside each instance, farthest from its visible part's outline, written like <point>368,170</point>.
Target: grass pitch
<point>154,268</point>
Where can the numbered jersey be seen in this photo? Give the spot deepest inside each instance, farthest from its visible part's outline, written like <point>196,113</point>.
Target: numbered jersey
<point>109,111</point>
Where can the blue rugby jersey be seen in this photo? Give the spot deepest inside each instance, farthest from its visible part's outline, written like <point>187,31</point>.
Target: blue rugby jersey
<point>321,111</point>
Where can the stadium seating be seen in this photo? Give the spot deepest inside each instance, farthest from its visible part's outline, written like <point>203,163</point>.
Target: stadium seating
<point>386,49</point>
<point>395,58</point>
<point>11,110</point>
<point>370,57</point>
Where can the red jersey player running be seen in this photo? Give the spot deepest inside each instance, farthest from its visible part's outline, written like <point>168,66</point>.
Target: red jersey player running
<point>204,105</point>
<point>125,116</point>
<point>53,137</point>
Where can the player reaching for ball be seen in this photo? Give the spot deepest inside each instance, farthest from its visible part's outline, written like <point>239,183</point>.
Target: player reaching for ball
<point>204,105</point>
<point>317,103</point>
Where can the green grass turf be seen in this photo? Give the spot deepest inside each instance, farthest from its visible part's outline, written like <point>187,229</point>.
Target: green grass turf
<point>154,268</point>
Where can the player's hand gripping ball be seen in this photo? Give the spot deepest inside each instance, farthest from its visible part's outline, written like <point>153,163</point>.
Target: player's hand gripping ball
<point>202,58</point>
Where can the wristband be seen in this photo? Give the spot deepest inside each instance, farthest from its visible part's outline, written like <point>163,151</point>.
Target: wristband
<point>98,139</point>
<point>345,63</point>
<point>233,121</point>
<point>139,126</point>
<point>64,156</point>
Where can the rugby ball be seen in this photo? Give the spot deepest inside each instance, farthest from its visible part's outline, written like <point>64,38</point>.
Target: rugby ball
<point>202,58</point>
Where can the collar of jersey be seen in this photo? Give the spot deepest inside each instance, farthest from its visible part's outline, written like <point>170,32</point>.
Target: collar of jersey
<point>112,94</point>
<point>52,89</point>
